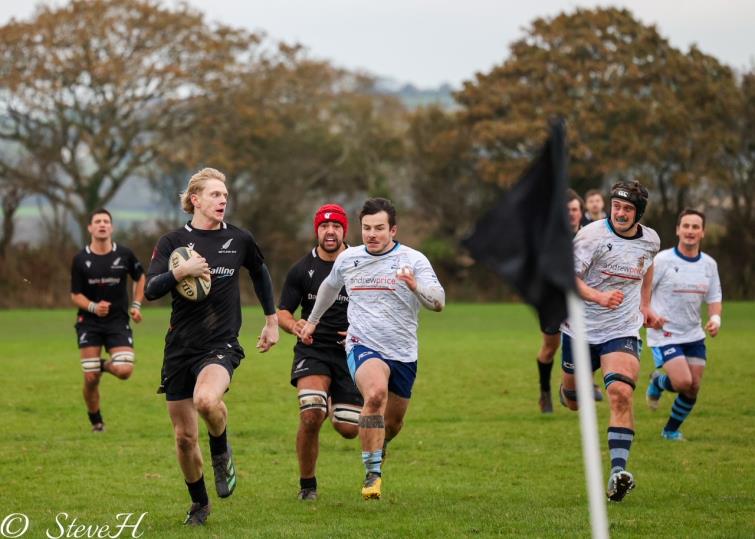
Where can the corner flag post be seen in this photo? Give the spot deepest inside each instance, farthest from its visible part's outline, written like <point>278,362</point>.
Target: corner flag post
<point>587,418</point>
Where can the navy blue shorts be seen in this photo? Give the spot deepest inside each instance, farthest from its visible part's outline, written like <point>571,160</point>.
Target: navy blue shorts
<point>401,379</point>
<point>628,345</point>
<point>662,354</point>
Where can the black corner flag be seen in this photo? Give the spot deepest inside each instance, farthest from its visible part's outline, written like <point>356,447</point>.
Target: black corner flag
<point>525,237</point>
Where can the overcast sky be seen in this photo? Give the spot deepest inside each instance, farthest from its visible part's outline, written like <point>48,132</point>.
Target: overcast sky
<point>428,42</point>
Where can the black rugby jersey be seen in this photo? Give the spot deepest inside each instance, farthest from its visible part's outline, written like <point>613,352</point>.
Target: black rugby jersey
<point>200,326</point>
<point>302,282</point>
<point>105,277</point>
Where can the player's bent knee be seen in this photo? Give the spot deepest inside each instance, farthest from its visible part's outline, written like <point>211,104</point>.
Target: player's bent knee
<point>375,400</point>
<point>619,388</point>
<point>205,404</point>
<point>122,364</point>
<point>569,398</point>
<point>185,443</point>
<point>346,430</point>
<point>311,419</point>
<point>92,379</point>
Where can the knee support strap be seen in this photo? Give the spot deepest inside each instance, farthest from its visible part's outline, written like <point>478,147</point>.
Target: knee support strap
<point>612,377</point>
<point>90,364</point>
<point>311,399</point>
<point>346,413</point>
<point>570,394</point>
<point>123,358</point>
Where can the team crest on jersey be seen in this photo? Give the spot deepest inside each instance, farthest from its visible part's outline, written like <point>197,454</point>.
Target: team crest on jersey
<point>224,248</point>
<point>356,263</point>
<point>311,273</point>
<point>88,264</point>
<point>116,263</point>
<point>610,246</point>
<point>190,245</point>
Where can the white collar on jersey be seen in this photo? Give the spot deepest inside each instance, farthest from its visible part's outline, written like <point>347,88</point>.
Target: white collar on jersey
<point>188,227</point>
<point>89,251</point>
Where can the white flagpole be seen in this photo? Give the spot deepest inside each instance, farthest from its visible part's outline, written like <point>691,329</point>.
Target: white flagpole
<point>587,419</point>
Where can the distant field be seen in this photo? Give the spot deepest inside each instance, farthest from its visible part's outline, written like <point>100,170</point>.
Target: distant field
<point>475,458</point>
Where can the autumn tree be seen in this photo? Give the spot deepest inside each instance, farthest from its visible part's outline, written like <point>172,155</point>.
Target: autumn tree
<point>734,192</point>
<point>635,106</point>
<point>91,87</point>
<point>290,132</point>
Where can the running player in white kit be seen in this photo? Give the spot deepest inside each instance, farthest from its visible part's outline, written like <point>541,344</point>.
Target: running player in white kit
<point>684,277</point>
<point>387,283</point>
<point>613,261</point>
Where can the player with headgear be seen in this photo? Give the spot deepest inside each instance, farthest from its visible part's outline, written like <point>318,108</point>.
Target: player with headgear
<point>202,349</point>
<point>319,371</point>
<point>613,260</point>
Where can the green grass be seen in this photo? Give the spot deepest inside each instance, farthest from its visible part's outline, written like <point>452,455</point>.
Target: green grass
<point>475,457</point>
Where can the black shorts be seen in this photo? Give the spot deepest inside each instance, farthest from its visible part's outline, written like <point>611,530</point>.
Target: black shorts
<point>550,330</point>
<point>328,361</point>
<point>113,334</point>
<point>179,375</point>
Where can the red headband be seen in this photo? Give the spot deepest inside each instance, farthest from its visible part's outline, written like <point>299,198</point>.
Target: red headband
<point>334,213</point>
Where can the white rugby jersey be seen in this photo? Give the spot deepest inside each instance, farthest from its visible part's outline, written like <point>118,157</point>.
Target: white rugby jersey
<point>680,284</point>
<point>383,312</point>
<point>606,261</point>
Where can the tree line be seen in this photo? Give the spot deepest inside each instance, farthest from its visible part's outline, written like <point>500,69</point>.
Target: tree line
<point>95,92</point>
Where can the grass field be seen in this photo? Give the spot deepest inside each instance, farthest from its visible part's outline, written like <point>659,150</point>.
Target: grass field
<point>475,459</point>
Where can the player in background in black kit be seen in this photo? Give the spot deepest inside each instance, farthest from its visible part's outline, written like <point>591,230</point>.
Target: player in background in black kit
<point>99,277</point>
<point>319,371</point>
<point>202,348</point>
<point>575,208</point>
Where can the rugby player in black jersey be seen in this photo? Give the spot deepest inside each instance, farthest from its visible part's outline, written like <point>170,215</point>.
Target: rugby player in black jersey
<point>202,348</point>
<point>99,278</point>
<point>319,371</point>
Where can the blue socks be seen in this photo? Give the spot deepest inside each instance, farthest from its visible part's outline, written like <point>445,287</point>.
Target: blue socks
<point>372,460</point>
<point>619,443</point>
<point>679,411</point>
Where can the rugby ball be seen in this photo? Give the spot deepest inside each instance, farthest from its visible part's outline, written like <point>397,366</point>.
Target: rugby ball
<point>191,288</point>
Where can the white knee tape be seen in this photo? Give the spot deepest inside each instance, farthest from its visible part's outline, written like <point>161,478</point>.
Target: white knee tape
<point>346,413</point>
<point>311,399</point>
<point>123,357</point>
<point>90,364</point>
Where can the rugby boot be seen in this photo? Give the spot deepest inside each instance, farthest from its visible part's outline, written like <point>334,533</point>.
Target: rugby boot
<point>197,514</point>
<point>225,473</point>
<point>619,484</point>
<point>371,486</point>
<point>545,402</point>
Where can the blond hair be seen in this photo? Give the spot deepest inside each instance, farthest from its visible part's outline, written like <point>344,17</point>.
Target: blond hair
<point>196,185</point>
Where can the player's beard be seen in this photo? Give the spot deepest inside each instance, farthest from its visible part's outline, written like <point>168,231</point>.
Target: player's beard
<point>330,250</point>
